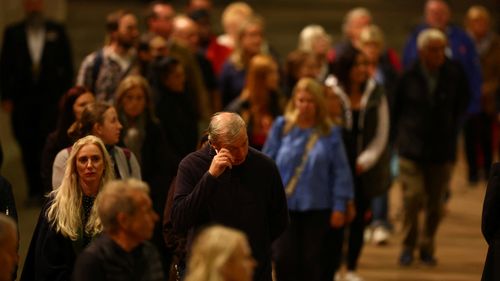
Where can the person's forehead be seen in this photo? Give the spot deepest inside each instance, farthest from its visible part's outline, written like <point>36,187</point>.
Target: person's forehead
<point>162,10</point>
<point>135,91</point>
<point>128,19</point>
<point>239,139</point>
<point>433,43</point>
<point>436,6</point>
<point>88,149</point>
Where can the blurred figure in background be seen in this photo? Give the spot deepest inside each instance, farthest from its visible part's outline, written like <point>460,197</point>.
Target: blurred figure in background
<point>36,69</point>
<point>249,42</point>
<point>102,70</point>
<point>143,134</point>
<point>9,243</point>
<point>365,122</point>
<point>7,201</point>
<point>430,101</point>
<point>299,64</point>
<point>478,24</point>
<point>353,23</point>
<point>459,47</point>
<point>175,109</point>
<point>260,102</point>
<point>233,16</point>
<point>313,38</point>
<point>8,246</point>
<point>71,106</point>
<point>215,52</point>
<point>160,22</point>
<point>186,32</point>
<point>385,72</point>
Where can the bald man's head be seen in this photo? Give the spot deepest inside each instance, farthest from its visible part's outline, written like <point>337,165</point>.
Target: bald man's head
<point>185,31</point>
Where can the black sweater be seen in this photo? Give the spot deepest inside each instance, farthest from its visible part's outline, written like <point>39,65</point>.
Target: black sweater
<point>249,197</point>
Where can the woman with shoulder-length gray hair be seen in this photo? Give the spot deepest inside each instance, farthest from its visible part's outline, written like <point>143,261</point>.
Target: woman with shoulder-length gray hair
<point>220,254</point>
<point>69,220</point>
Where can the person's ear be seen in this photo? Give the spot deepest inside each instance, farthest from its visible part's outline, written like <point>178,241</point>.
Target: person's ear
<point>214,146</point>
<point>97,129</point>
<point>122,219</point>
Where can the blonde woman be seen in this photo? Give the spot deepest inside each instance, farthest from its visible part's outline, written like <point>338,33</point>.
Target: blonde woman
<point>310,156</point>
<point>68,220</point>
<point>220,254</point>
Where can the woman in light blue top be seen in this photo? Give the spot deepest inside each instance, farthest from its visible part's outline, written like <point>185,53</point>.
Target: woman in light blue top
<point>310,155</point>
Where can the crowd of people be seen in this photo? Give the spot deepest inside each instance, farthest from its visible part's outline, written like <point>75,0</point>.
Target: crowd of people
<point>180,154</point>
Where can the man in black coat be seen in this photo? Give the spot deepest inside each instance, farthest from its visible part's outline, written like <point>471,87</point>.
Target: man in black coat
<point>35,70</point>
<point>228,183</point>
<point>429,105</point>
<point>490,225</point>
<point>122,251</point>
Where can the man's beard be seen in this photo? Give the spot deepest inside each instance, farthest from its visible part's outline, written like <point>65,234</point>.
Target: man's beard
<point>126,44</point>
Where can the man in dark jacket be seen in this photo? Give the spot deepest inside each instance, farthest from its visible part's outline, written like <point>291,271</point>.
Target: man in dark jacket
<point>228,183</point>
<point>429,105</point>
<point>35,70</point>
<point>490,225</point>
<point>122,251</point>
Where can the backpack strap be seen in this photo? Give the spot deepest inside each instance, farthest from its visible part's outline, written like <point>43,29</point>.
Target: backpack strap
<point>128,154</point>
<point>98,60</point>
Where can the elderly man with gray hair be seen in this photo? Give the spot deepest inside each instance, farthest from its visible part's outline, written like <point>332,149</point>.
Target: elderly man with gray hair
<point>122,251</point>
<point>429,105</point>
<point>8,248</point>
<point>226,182</point>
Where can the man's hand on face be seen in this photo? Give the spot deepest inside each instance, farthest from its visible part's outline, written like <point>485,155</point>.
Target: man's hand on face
<point>220,162</point>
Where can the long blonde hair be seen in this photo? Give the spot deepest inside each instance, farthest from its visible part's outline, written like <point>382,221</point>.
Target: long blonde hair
<point>323,122</point>
<point>64,213</point>
<point>211,251</point>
